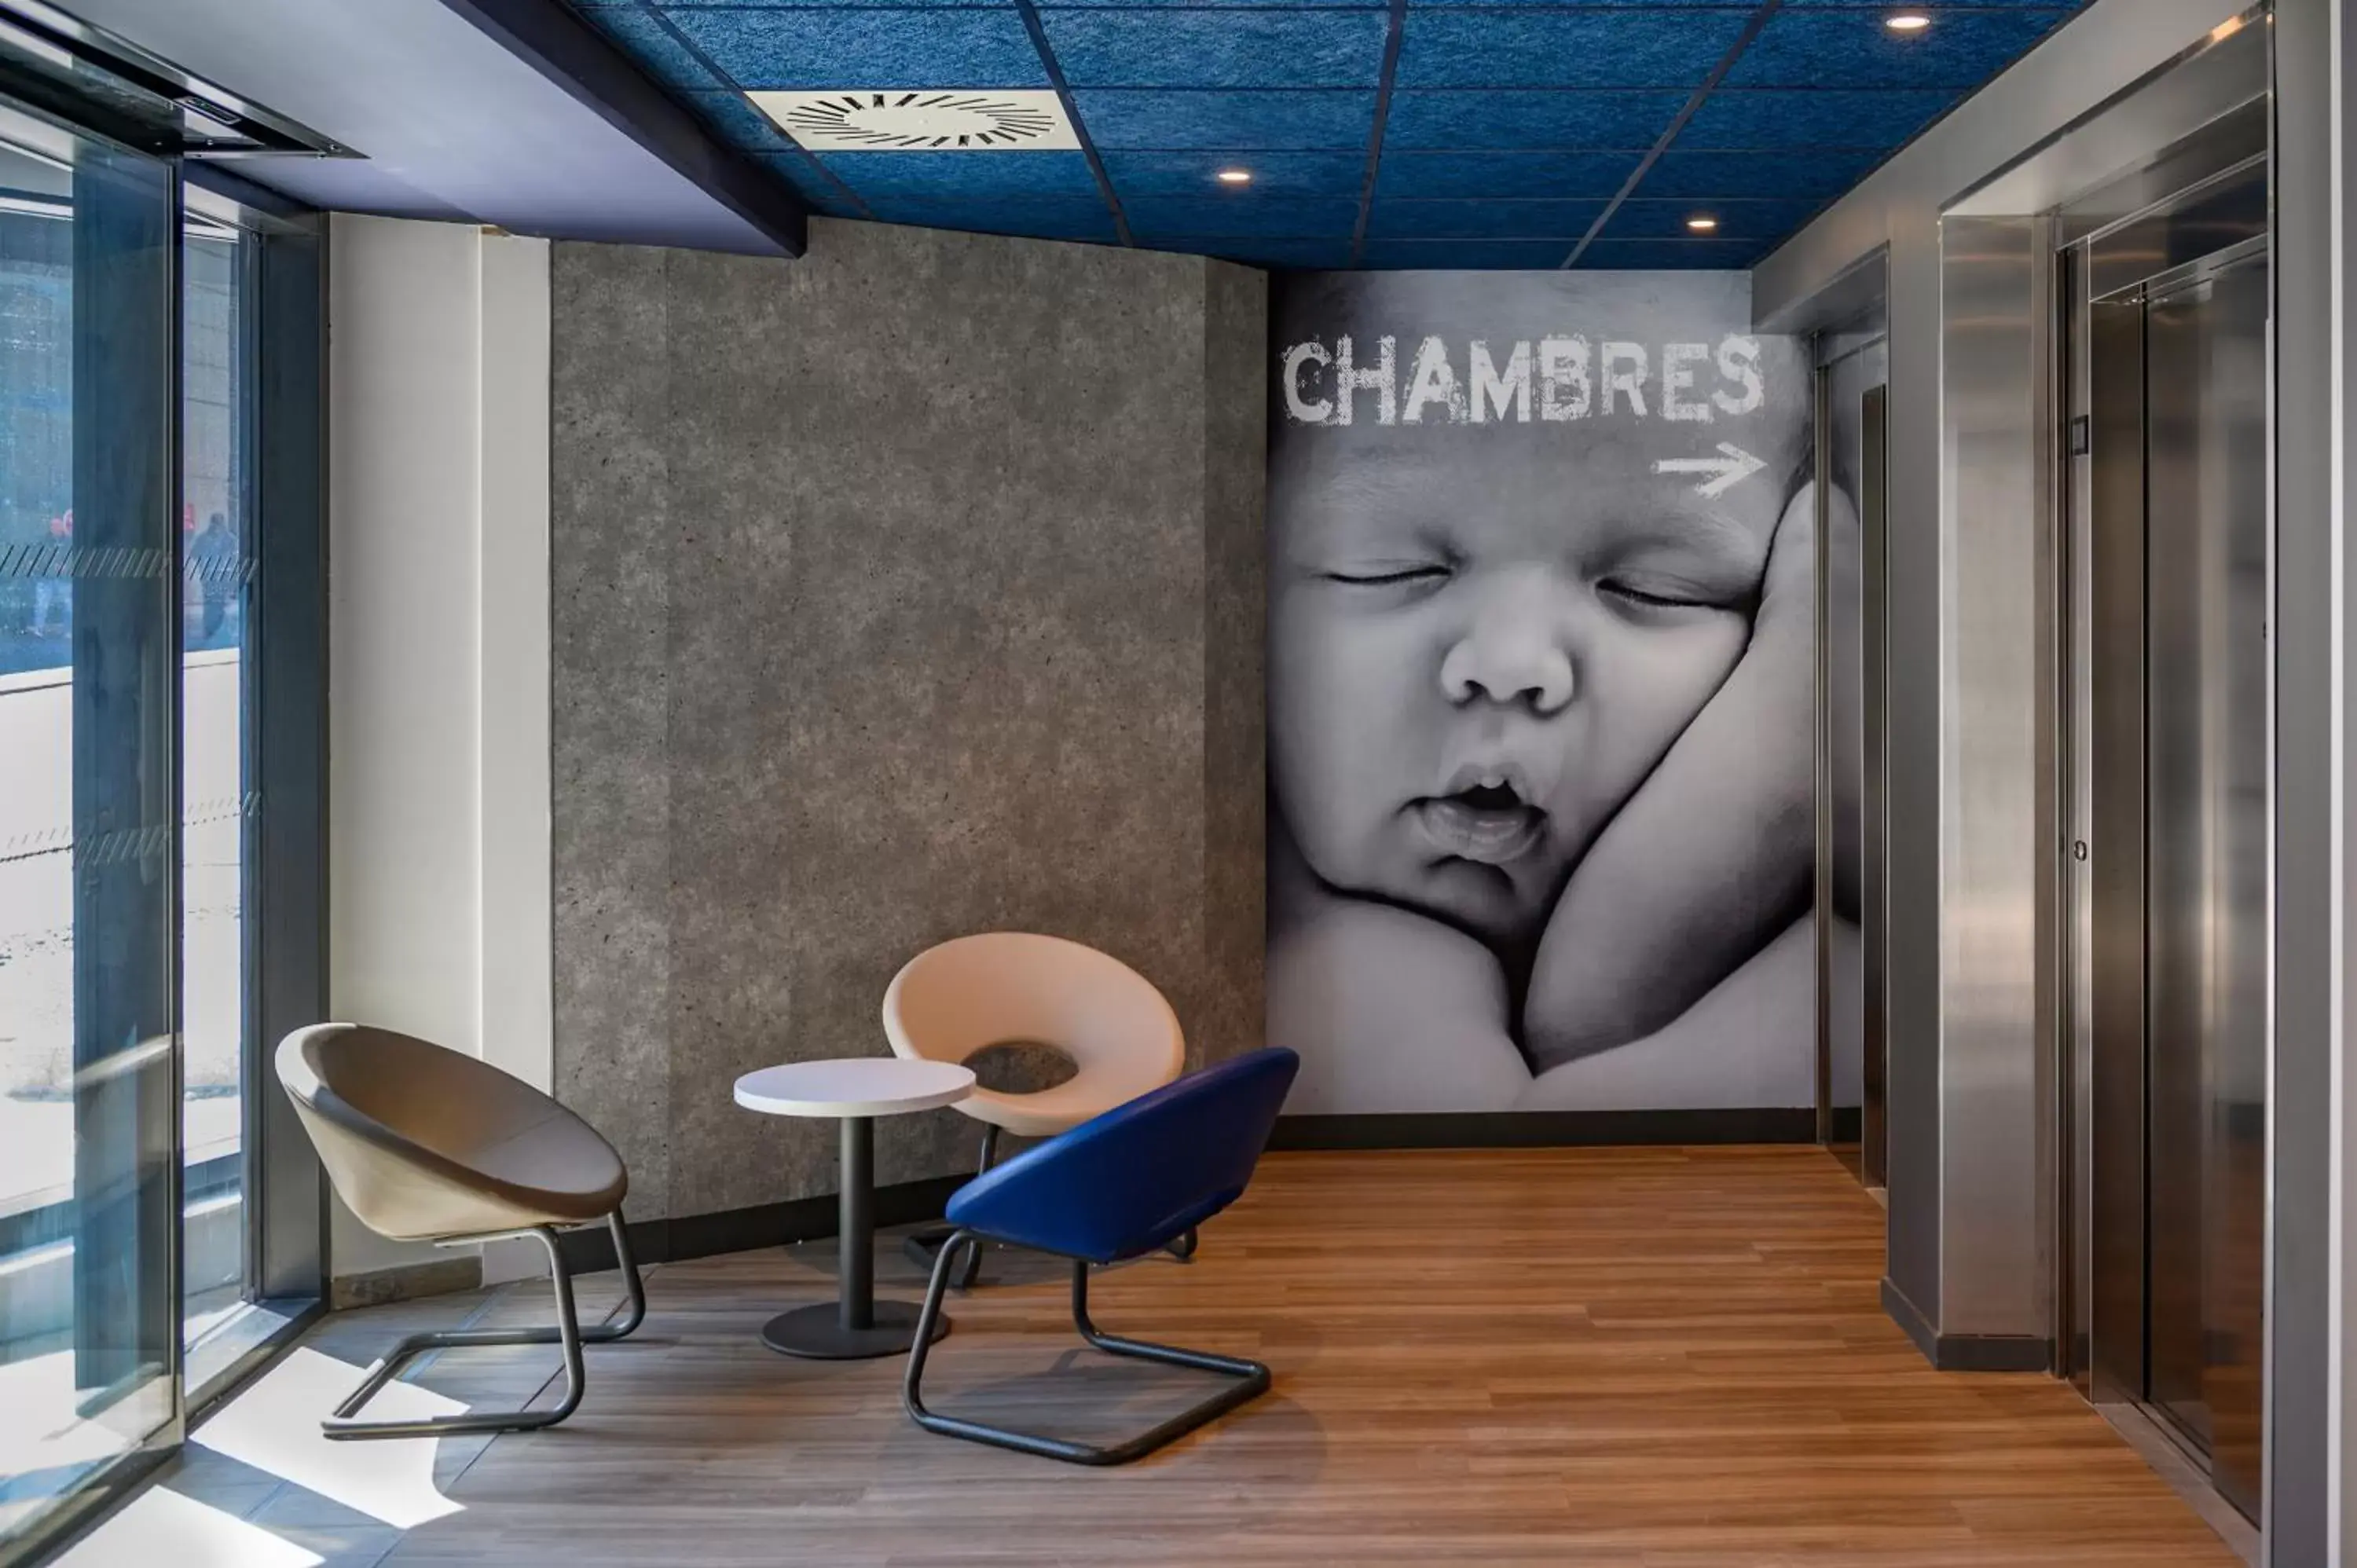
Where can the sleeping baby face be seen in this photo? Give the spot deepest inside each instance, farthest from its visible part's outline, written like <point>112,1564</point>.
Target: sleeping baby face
<point>1484,636</point>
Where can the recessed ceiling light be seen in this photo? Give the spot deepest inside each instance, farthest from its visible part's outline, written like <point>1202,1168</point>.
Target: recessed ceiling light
<point>1702,223</point>
<point>1907,22</point>
<point>1235,176</point>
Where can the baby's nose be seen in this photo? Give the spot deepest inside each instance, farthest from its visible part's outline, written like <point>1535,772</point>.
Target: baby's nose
<point>1510,655</point>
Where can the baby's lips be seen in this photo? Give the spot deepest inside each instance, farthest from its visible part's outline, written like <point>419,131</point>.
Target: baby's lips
<point>1487,835</point>
<point>1502,769</point>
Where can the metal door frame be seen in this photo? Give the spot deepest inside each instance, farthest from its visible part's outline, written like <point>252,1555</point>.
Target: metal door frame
<point>2096,1340</point>
<point>1830,350</point>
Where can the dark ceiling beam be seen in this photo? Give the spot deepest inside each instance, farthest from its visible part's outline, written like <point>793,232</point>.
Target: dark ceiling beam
<point>1055,69</point>
<point>1694,103</point>
<point>1398,23</point>
<point>587,65</point>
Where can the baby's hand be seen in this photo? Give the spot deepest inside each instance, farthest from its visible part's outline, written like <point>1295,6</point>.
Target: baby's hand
<point>1714,852</point>
<point>1391,1012</point>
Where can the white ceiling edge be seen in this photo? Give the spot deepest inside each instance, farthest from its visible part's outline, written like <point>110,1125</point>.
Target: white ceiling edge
<point>452,125</point>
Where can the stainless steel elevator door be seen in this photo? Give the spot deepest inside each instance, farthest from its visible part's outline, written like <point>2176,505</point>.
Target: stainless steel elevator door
<point>2206,749</point>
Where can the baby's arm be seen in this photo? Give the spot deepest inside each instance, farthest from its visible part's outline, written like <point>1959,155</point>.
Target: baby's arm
<point>1748,1045</point>
<point>1714,851</point>
<point>1390,1011</point>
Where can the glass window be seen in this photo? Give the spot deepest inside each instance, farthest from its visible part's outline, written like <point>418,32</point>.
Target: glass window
<point>216,801</point>
<point>89,804</point>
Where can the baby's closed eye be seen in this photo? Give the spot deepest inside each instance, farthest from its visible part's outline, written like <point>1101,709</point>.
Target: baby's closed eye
<point>1400,574</point>
<point>1662,591</point>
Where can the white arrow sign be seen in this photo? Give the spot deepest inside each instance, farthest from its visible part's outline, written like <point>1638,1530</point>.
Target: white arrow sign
<point>1727,470</point>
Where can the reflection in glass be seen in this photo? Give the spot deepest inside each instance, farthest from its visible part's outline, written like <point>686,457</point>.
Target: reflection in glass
<point>215,803</point>
<point>89,658</point>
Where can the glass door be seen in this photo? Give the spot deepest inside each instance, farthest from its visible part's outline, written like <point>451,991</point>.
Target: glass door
<point>90,807</point>
<point>216,804</point>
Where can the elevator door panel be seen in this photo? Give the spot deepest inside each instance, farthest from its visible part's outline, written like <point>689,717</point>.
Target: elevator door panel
<point>2206,860</point>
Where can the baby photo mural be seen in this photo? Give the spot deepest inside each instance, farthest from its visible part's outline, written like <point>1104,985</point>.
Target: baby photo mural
<point>1540,711</point>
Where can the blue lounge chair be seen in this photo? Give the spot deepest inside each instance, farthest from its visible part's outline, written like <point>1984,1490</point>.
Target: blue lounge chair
<point>1122,1185</point>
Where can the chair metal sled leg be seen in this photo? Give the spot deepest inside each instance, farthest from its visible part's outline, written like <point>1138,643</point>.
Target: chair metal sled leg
<point>1249,1380</point>
<point>925,1244</point>
<point>568,1333</point>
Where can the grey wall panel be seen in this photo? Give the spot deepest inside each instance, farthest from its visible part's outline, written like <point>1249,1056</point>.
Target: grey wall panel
<point>1235,624</point>
<point>609,680</point>
<point>956,553</point>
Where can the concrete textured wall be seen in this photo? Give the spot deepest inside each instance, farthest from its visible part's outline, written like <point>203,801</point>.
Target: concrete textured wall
<point>910,589</point>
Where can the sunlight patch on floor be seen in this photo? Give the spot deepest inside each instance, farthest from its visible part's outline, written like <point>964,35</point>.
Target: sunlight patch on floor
<point>159,1527</point>
<point>274,1427</point>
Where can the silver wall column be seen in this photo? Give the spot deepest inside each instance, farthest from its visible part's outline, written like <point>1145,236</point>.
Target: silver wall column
<point>1947,943</point>
<point>1995,462</point>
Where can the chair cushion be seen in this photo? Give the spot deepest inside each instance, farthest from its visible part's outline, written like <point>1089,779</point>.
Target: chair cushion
<point>970,992</point>
<point>1134,1178</point>
<point>424,1142</point>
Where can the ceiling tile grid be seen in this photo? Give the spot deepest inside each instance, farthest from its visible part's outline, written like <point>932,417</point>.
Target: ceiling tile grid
<point>1440,133</point>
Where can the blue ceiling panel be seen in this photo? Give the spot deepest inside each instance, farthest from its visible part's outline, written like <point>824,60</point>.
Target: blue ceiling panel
<point>1410,173</point>
<point>1581,121</point>
<point>1483,255</point>
<point>1305,121</point>
<point>1819,173</point>
<point>1531,47</point>
<point>804,5</point>
<point>959,176</point>
<point>1880,120</point>
<point>1042,217</point>
<point>1500,135</point>
<point>1272,174</point>
<point>734,117</point>
<point>1218,48</point>
<point>1884,7</point>
<point>1671,255</point>
<point>1521,218</point>
<point>1656,218</point>
<point>1198,5</point>
<point>968,46</point>
<point>1799,49</point>
<point>828,197</point>
<point>657,50</point>
<point>1322,256</point>
<point>1238,214</point>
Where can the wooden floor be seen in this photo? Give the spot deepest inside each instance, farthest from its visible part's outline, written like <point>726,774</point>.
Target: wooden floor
<point>1595,1356</point>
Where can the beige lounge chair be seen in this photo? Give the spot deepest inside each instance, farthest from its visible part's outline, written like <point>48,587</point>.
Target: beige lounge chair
<point>425,1144</point>
<point>1000,988</point>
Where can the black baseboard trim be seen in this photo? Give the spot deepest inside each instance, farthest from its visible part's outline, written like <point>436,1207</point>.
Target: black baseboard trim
<point>763,1225</point>
<point>1910,1320</point>
<point>1966,1352</point>
<point>1544,1129</point>
<point>673,1241</point>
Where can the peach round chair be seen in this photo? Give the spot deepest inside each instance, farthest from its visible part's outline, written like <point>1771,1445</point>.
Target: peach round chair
<point>1017,988</point>
<point>425,1143</point>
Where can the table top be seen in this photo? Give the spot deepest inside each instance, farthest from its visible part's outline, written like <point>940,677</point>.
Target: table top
<point>854,1086</point>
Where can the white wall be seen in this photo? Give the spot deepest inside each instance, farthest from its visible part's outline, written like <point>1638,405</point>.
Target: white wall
<point>438,904</point>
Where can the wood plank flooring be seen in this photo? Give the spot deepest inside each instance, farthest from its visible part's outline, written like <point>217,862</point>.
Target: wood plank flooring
<point>1657,1358</point>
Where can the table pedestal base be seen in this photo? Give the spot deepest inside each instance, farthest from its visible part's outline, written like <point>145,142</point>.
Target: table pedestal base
<point>816,1332</point>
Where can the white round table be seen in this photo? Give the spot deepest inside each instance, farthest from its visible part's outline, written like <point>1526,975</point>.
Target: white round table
<point>854,1090</point>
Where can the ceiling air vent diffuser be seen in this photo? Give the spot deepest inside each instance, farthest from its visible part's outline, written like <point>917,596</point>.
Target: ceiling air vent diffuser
<point>922,121</point>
